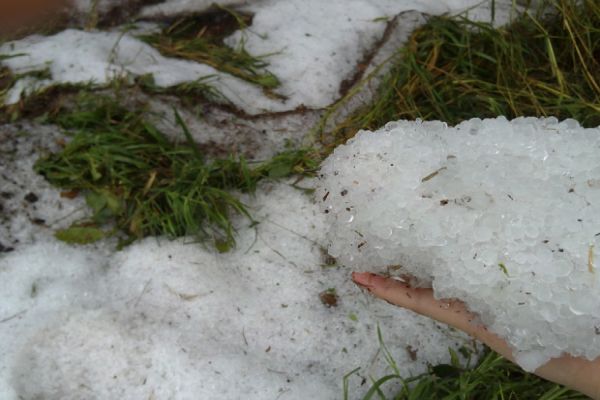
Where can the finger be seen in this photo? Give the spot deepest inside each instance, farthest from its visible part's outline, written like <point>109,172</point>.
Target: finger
<point>421,301</point>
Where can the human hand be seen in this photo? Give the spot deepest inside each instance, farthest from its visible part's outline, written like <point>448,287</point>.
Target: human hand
<point>575,373</point>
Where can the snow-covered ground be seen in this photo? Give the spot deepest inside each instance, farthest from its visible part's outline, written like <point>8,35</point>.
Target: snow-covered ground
<point>313,45</point>
<point>173,319</point>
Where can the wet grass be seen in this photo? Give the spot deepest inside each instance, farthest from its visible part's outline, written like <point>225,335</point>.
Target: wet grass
<point>139,183</point>
<point>546,62</point>
<point>200,39</point>
<point>492,377</point>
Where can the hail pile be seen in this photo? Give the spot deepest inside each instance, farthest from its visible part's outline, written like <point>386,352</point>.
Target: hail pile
<point>504,215</point>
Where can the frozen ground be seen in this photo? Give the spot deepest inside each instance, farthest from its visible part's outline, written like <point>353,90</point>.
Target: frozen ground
<point>173,319</point>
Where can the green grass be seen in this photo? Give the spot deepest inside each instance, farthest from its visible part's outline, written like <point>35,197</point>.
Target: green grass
<point>200,39</point>
<point>139,183</point>
<point>454,69</point>
<point>492,378</point>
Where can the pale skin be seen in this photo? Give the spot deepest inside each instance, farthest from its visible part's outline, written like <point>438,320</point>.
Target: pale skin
<point>576,373</point>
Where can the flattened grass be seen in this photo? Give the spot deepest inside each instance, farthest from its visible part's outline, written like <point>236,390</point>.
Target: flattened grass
<point>545,63</point>
<point>199,39</point>
<point>141,183</point>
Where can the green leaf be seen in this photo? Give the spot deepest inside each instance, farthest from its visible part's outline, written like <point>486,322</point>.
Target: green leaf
<point>96,201</point>
<point>96,175</point>
<point>104,204</point>
<point>503,268</point>
<point>222,246</point>
<point>280,170</point>
<point>113,203</point>
<point>454,358</point>
<point>79,235</point>
<point>445,371</point>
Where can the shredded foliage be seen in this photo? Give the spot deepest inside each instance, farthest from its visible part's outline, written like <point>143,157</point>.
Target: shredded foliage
<point>545,63</point>
<point>493,378</point>
<point>195,38</point>
<point>142,183</point>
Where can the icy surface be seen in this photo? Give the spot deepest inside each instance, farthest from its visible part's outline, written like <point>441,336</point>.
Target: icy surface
<point>503,215</point>
<point>172,319</point>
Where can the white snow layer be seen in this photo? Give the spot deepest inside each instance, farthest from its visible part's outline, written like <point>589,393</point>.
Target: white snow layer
<point>504,215</point>
<point>314,46</point>
<point>169,319</point>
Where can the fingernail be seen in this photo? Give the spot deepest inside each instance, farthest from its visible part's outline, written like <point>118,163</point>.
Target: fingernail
<point>363,279</point>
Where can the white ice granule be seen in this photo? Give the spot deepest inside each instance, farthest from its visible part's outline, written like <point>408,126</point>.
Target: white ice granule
<point>176,320</point>
<point>504,215</point>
